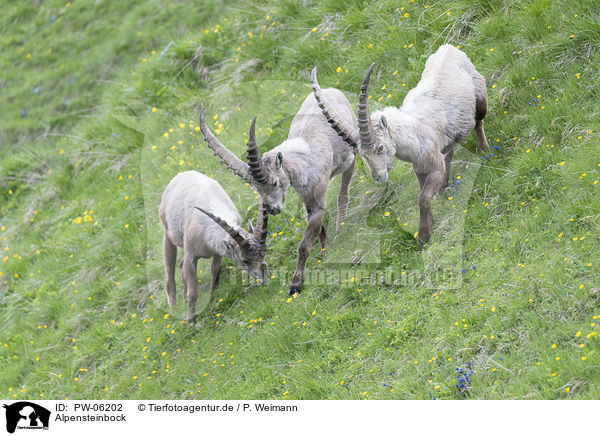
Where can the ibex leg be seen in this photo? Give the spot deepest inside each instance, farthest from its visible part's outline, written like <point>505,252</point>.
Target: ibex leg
<point>169,259</point>
<point>323,237</point>
<point>189,272</point>
<point>183,282</point>
<point>432,184</point>
<point>480,113</point>
<point>313,227</point>
<point>344,195</point>
<point>448,160</point>
<point>215,270</point>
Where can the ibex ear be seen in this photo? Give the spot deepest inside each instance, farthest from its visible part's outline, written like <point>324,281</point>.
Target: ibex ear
<point>250,227</point>
<point>279,160</point>
<point>383,122</point>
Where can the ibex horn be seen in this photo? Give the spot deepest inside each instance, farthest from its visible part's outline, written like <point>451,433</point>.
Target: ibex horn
<point>257,167</point>
<point>367,138</point>
<point>235,234</point>
<point>260,232</point>
<point>230,160</point>
<point>344,129</point>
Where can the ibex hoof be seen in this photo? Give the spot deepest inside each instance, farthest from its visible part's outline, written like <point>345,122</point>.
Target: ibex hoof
<point>294,289</point>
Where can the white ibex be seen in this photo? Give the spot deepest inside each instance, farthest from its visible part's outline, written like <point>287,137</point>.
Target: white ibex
<point>449,101</point>
<point>307,160</point>
<point>213,232</point>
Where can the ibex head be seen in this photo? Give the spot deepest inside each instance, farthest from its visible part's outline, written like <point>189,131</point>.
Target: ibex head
<point>264,173</point>
<point>247,248</point>
<point>372,140</point>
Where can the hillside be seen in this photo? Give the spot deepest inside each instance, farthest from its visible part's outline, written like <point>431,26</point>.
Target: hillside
<point>100,110</point>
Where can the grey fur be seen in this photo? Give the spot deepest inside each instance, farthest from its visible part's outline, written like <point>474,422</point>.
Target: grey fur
<point>449,101</point>
<point>201,236</point>
<point>307,160</point>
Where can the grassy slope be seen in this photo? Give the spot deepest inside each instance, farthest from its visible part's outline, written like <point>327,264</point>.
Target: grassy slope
<point>82,304</point>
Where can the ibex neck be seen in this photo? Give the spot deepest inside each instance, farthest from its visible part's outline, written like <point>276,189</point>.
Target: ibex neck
<point>407,134</point>
<point>303,165</point>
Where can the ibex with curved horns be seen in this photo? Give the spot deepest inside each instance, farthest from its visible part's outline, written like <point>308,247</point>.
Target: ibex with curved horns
<point>307,160</point>
<point>213,232</point>
<point>449,101</point>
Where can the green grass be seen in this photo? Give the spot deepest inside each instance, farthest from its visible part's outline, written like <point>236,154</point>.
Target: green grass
<point>508,285</point>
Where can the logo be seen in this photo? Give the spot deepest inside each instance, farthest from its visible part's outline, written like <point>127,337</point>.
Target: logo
<point>26,415</point>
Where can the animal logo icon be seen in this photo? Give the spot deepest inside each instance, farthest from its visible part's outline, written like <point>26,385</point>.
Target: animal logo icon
<point>26,415</point>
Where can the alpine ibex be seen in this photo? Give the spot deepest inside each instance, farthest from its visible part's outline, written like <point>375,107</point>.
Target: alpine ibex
<point>213,232</point>
<point>307,160</point>
<point>448,102</point>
